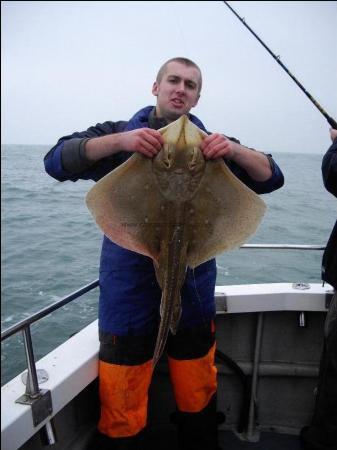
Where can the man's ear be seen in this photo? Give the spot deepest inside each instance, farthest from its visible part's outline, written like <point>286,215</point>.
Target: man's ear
<point>155,88</point>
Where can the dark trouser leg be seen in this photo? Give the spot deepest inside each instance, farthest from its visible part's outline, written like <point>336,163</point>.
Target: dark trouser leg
<point>125,372</point>
<point>198,430</point>
<point>322,433</point>
<point>194,378</point>
<point>103,442</point>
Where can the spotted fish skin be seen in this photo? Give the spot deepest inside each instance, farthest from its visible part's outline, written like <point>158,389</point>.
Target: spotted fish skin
<point>177,209</point>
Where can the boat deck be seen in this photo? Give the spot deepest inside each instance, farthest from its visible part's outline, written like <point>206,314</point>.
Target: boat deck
<point>166,440</point>
<point>268,441</point>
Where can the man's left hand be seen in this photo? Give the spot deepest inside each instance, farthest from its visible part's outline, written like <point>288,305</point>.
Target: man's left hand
<point>217,146</point>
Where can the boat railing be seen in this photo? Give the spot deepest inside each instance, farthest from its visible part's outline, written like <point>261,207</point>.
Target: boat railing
<point>40,400</point>
<point>283,246</point>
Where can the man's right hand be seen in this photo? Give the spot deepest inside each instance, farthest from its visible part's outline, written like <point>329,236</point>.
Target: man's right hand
<point>143,140</point>
<point>333,134</point>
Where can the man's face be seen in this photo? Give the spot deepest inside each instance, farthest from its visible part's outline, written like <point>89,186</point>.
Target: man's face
<point>177,92</point>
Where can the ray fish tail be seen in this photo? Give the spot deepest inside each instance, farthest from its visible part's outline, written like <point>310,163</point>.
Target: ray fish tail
<point>171,275</point>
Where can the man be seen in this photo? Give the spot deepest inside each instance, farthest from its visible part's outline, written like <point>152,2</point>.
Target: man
<point>322,433</point>
<point>129,293</point>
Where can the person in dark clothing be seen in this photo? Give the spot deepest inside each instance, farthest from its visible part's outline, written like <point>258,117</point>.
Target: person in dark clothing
<point>129,293</point>
<point>322,433</point>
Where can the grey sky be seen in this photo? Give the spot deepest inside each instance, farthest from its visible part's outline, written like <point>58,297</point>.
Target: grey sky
<point>68,65</point>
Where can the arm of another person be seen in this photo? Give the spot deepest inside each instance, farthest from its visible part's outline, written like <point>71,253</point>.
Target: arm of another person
<point>329,165</point>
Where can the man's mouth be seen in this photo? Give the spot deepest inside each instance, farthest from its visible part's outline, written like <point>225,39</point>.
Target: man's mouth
<point>177,102</point>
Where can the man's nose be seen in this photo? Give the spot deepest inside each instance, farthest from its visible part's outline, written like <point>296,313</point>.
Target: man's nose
<point>181,87</point>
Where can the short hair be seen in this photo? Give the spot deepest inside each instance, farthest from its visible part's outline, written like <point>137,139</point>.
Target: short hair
<point>187,62</point>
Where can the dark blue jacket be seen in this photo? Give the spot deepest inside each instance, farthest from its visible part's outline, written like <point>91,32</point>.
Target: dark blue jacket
<point>329,173</point>
<point>129,293</point>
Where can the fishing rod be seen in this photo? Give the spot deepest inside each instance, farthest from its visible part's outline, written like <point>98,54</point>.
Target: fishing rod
<point>330,120</point>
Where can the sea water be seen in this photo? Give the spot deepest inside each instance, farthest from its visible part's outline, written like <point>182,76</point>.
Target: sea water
<point>51,245</point>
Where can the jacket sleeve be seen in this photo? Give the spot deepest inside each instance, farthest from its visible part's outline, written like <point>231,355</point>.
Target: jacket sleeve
<point>329,169</point>
<point>67,160</point>
<point>275,182</point>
